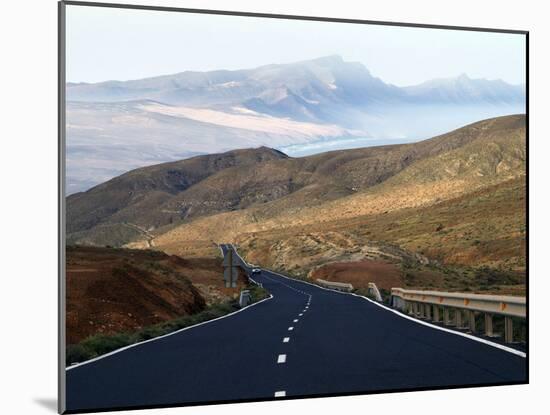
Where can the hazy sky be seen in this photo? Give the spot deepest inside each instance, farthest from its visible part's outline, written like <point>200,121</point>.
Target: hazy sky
<point>106,44</point>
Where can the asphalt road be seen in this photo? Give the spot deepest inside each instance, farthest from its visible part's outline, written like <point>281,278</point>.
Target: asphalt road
<point>304,341</point>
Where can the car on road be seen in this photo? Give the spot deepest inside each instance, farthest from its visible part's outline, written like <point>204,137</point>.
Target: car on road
<point>256,271</point>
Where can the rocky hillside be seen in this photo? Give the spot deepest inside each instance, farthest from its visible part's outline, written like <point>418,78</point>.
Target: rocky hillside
<point>445,244</point>
<point>263,182</point>
<point>117,290</point>
<point>348,184</point>
<point>129,205</point>
<point>454,201</point>
<point>448,212</point>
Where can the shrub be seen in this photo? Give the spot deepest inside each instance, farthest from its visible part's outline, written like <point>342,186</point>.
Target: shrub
<point>103,343</point>
<point>257,293</point>
<point>77,353</point>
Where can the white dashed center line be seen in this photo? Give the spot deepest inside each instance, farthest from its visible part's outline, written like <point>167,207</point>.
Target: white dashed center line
<point>280,394</point>
<point>290,328</point>
<point>286,339</point>
<point>300,315</point>
<point>281,358</point>
<point>295,320</point>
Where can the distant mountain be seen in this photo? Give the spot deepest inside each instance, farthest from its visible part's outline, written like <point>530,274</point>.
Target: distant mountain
<point>463,90</point>
<point>115,126</point>
<point>314,90</point>
<point>105,140</point>
<point>130,206</point>
<point>314,81</point>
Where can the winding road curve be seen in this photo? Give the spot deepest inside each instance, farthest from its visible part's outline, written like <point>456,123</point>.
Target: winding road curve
<point>304,340</point>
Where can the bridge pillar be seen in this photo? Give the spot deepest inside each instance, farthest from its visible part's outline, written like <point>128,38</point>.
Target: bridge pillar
<point>421,310</point>
<point>508,330</point>
<point>446,316</point>
<point>230,269</point>
<point>436,314</point>
<point>489,325</point>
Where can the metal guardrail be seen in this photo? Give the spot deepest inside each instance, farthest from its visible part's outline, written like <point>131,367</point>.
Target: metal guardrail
<point>342,286</point>
<point>429,304</point>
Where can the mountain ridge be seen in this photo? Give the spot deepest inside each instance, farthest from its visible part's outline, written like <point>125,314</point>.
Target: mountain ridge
<point>306,79</point>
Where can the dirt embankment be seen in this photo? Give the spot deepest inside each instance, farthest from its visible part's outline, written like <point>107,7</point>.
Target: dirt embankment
<point>360,273</point>
<point>115,290</point>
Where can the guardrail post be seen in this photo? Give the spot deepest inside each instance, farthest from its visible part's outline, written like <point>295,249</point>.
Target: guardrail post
<point>436,314</point>
<point>489,325</point>
<point>373,290</point>
<point>472,321</point>
<point>244,298</point>
<point>428,311</point>
<point>508,330</point>
<point>458,318</point>
<point>446,316</point>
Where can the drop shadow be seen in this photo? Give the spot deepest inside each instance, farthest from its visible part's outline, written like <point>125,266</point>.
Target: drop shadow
<point>48,403</point>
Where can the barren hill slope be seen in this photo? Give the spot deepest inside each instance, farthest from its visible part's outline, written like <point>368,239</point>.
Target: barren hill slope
<point>268,182</point>
<point>115,290</point>
<point>136,197</point>
<point>493,152</point>
<point>464,205</point>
